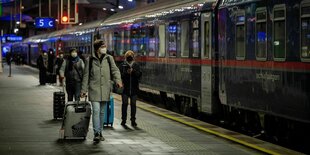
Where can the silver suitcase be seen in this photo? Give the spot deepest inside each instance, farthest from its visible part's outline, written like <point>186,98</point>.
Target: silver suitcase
<point>76,119</point>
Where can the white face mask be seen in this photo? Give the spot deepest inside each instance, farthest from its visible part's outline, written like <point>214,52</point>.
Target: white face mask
<point>44,54</point>
<point>103,50</point>
<point>74,54</point>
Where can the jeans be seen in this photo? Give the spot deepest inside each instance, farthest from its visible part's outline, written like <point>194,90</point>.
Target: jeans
<point>73,90</point>
<point>133,107</point>
<point>98,111</point>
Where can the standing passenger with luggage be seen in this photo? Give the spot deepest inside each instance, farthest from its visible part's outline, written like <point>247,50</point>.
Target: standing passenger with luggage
<point>72,69</point>
<point>96,81</point>
<point>131,74</point>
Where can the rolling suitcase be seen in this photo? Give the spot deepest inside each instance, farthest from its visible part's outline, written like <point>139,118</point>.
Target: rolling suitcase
<point>59,101</point>
<point>58,104</point>
<point>76,119</point>
<point>109,112</point>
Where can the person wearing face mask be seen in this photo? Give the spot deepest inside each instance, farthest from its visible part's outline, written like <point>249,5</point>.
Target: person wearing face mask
<point>72,70</point>
<point>58,63</point>
<point>99,70</point>
<point>131,75</point>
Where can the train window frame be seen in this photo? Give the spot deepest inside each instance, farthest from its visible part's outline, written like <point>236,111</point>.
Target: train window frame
<point>162,47</point>
<point>261,10</point>
<point>152,40</point>
<point>185,39</point>
<point>195,38</point>
<point>238,14</point>
<point>177,30</point>
<point>279,7</point>
<point>303,4</point>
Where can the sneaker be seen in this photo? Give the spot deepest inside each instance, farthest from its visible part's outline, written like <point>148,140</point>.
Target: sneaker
<point>123,123</point>
<point>97,137</point>
<point>101,137</point>
<point>133,123</point>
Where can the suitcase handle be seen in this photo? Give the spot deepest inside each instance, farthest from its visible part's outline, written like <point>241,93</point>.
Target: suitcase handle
<point>82,109</point>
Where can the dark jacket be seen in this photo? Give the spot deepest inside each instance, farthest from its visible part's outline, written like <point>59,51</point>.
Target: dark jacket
<point>130,81</point>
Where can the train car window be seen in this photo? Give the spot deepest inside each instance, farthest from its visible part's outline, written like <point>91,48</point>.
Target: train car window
<point>126,41</point>
<point>305,31</point>
<point>195,38</point>
<point>184,38</point>
<point>279,35</point>
<point>207,39</point>
<point>172,39</point>
<point>162,40</point>
<point>134,37</point>
<point>261,34</point>
<point>240,36</point>
<point>118,42</point>
<point>143,40</point>
<point>152,40</point>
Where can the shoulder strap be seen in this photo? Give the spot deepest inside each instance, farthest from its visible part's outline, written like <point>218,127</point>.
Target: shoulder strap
<point>90,65</point>
<point>78,72</point>
<point>109,61</point>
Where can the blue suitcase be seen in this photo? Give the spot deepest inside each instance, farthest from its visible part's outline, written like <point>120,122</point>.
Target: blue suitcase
<point>109,112</point>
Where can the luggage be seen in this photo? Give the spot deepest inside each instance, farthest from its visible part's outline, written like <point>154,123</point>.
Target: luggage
<point>76,119</point>
<point>51,78</point>
<point>59,101</point>
<point>109,112</point>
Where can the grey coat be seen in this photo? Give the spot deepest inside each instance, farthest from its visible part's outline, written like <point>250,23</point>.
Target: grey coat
<point>98,84</point>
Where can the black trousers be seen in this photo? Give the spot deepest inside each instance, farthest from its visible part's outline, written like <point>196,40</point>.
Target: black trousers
<point>73,90</point>
<point>133,107</point>
<point>42,77</point>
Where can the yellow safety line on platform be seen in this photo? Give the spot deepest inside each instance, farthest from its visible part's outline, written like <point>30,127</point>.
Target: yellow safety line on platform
<point>210,131</point>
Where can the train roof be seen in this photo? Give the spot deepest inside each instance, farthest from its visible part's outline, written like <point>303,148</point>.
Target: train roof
<point>36,39</point>
<point>226,3</point>
<point>155,10</point>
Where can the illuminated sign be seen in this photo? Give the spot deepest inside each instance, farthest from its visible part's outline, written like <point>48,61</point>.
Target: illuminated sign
<point>10,38</point>
<point>45,22</point>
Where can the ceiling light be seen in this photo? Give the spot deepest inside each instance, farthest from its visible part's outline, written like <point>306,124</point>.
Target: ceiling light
<point>120,7</point>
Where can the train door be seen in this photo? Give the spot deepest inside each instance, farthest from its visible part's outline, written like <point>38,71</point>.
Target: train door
<point>206,67</point>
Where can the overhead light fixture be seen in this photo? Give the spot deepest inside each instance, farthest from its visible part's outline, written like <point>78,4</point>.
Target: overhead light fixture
<point>16,30</point>
<point>104,9</point>
<point>17,22</point>
<point>81,24</point>
<point>129,0</point>
<point>112,10</point>
<point>120,7</point>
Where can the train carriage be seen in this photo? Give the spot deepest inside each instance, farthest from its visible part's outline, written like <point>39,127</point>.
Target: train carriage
<point>167,38</point>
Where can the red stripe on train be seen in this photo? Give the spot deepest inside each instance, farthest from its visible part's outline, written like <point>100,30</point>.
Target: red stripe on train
<point>227,63</point>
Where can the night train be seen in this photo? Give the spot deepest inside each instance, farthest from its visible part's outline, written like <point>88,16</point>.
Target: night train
<point>246,62</point>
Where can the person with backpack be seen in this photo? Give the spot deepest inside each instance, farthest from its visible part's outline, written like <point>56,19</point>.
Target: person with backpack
<point>99,70</point>
<point>131,74</point>
<point>72,69</point>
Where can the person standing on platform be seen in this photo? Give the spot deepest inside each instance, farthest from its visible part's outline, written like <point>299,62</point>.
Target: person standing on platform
<point>72,69</point>
<point>42,62</point>
<point>96,81</point>
<point>58,63</point>
<point>131,74</point>
<point>51,61</point>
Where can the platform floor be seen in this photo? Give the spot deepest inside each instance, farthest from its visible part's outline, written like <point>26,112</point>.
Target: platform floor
<point>27,127</point>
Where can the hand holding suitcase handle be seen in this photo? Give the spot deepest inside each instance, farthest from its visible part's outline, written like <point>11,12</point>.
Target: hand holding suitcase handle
<point>79,109</point>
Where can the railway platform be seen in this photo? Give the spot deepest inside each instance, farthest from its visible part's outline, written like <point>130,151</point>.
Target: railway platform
<point>27,127</point>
